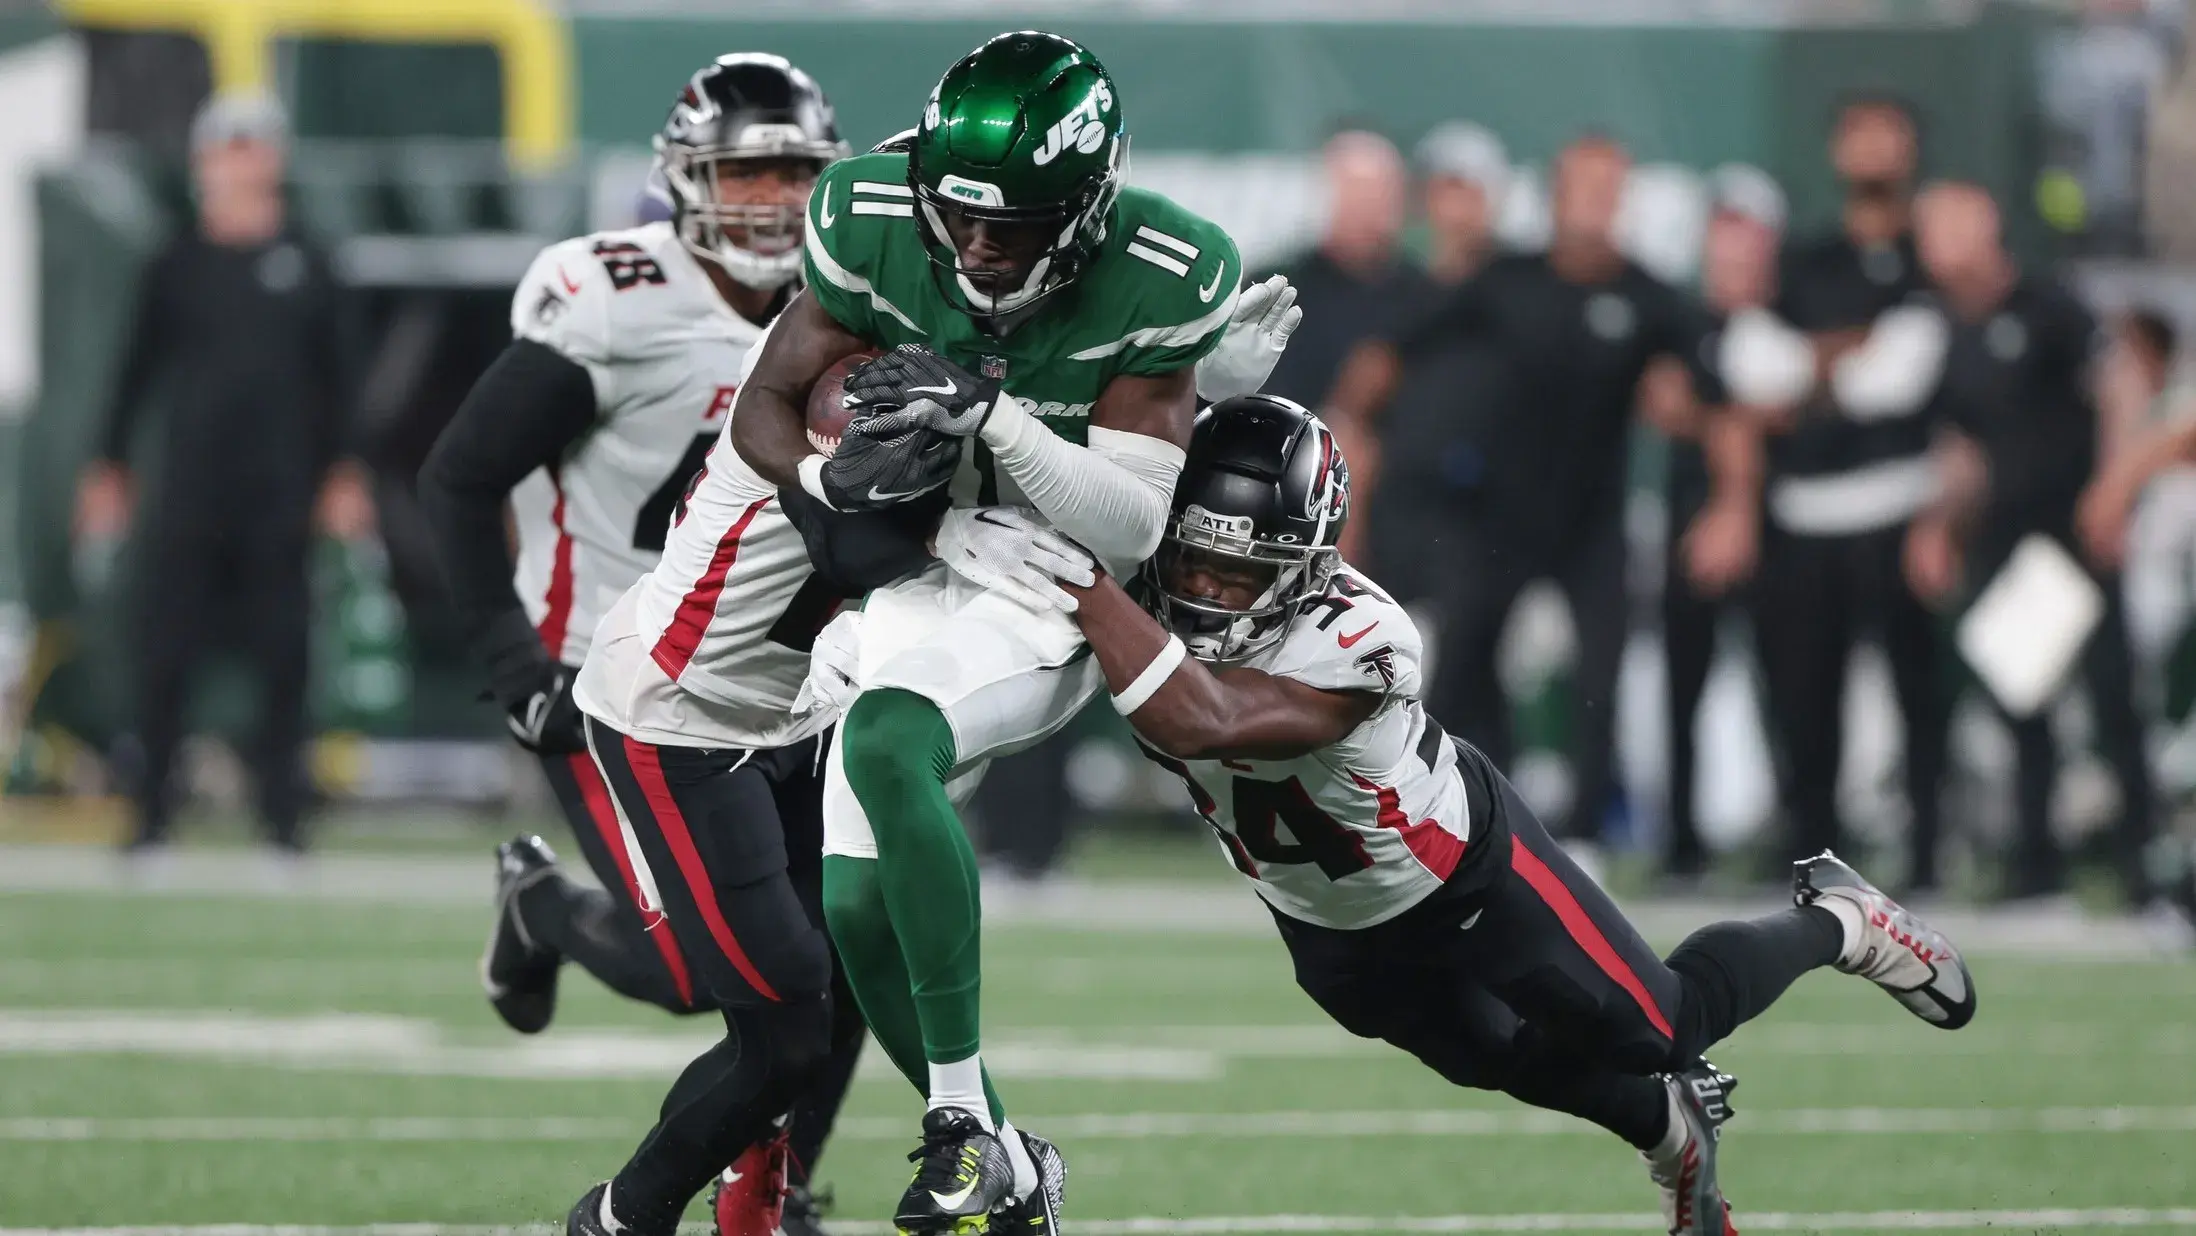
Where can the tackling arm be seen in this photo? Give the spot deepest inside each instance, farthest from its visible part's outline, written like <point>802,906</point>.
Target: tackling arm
<point>1200,713</point>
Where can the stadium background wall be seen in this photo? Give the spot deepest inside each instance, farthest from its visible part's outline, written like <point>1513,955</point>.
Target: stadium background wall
<point>1691,95</point>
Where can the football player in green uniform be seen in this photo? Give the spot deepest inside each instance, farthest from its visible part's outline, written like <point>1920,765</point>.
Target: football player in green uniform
<point>1044,324</point>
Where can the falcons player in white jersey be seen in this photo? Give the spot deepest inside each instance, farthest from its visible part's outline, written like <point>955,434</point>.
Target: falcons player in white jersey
<point>627,347</point>
<point>1419,899</point>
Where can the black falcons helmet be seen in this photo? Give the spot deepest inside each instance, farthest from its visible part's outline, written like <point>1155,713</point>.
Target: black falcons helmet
<point>747,105</point>
<point>1264,484</point>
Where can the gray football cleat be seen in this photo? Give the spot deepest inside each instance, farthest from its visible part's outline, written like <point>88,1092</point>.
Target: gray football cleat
<point>1896,949</point>
<point>1692,1197</point>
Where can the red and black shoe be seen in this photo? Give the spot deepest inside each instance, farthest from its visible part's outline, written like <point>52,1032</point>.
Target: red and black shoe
<point>749,1199</point>
<point>1692,1197</point>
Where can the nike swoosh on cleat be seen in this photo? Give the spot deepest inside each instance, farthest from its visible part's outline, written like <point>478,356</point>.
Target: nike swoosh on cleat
<point>948,1201</point>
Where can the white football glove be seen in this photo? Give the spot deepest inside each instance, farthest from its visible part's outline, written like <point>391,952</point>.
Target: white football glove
<point>1257,333</point>
<point>834,667</point>
<point>1002,549</point>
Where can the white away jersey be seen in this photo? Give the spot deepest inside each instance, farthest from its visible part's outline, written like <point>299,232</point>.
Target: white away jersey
<point>664,352</point>
<point>709,647</point>
<point>1356,833</point>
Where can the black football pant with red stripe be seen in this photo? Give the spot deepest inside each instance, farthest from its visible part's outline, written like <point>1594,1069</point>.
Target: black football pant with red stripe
<point>1536,985</point>
<point>733,844</point>
<point>602,929</point>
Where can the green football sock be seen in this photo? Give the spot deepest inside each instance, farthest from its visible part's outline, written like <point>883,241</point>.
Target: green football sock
<point>899,750</point>
<point>855,909</point>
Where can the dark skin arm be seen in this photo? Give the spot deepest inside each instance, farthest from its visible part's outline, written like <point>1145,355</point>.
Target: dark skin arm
<point>1159,407</point>
<point>1202,713</point>
<point>770,414</point>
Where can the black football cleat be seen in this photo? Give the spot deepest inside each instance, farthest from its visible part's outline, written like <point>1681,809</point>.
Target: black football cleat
<point>1039,1213</point>
<point>961,1175</point>
<point>1896,950</point>
<point>519,974</point>
<point>804,1212</point>
<point>590,1216</point>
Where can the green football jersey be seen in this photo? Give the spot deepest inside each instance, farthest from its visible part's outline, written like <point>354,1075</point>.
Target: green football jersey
<point>1155,299</point>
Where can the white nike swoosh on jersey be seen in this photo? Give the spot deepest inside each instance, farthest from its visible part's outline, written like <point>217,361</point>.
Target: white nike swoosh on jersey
<point>1206,292</point>
<point>1466,925</point>
<point>947,1201</point>
<point>824,217</point>
<point>932,390</point>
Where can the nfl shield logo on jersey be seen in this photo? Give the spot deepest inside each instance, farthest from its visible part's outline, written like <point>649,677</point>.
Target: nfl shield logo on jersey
<point>994,368</point>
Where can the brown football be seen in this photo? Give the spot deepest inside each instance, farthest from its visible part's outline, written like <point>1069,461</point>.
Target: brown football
<point>828,416</point>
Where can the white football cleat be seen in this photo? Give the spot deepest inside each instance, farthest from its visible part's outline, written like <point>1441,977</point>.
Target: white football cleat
<point>1894,949</point>
<point>1692,1197</point>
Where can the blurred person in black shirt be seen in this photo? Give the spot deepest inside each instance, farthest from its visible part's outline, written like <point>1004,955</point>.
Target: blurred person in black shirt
<point>1431,433</point>
<point>1355,284</point>
<point>2018,380</point>
<point>242,330</point>
<point>1737,273</point>
<point>1576,327</point>
<point>1849,472</point>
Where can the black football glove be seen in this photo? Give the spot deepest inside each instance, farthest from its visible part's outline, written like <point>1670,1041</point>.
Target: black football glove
<point>534,691</point>
<point>869,472</point>
<point>913,387</point>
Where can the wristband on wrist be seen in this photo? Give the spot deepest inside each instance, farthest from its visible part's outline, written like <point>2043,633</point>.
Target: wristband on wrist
<point>1155,676</point>
<point>811,475</point>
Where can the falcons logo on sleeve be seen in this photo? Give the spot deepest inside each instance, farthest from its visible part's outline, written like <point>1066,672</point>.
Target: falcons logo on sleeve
<point>1380,661</point>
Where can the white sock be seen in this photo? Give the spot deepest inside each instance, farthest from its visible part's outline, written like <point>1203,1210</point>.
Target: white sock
<point>1673,1138</point>
<point>961,1084</point>
<point>1025,1168</point>
<point>1849,918</point>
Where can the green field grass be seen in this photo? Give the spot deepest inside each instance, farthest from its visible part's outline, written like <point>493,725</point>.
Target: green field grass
<point>177,1061</point>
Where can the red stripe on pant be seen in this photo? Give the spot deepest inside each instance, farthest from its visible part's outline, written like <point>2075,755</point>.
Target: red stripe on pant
<point>1581,927</point>
<point>558,618</point>
<point>604,814</point>
<point>672,824</point>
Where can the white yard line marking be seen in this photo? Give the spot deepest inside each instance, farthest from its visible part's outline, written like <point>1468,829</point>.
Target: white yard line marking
<point>2078,1121</point>
<point>419,1047</point>
<point>1248,1225</point>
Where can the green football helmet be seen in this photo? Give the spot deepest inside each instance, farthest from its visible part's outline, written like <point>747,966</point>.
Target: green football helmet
<point>1025,137</point>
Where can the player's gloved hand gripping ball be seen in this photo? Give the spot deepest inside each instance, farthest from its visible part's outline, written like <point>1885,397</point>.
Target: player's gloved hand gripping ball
<point>914,387</point>
<point>879,462</point>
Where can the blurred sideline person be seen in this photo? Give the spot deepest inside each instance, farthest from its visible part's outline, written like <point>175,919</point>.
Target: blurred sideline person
<point>243,334</point>
<point>592,425</point>
<point>1431,437</point>
<point>2108,505</point>
<point>1356,283</point>
<point>1420,900</point>
<point>1845,477</point>
<point>1576,328</point>
<point>1737,276</point>
<point>2018,380</point>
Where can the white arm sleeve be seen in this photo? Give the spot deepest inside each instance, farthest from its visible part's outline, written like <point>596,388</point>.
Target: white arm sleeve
<point>1111,496</point>
<point>1895,372</point>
